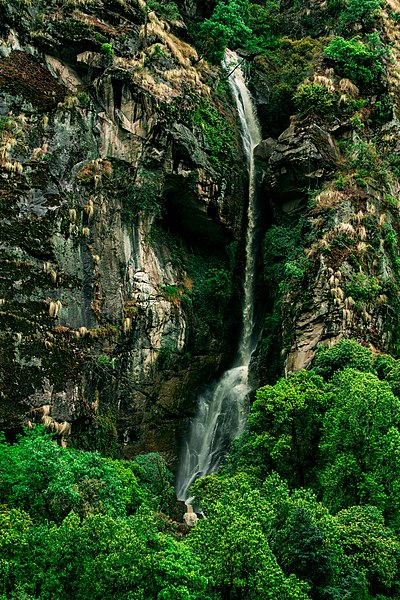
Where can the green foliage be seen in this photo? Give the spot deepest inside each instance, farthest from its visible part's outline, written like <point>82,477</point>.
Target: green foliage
<point>156,481</point>
<point>362,287</point>
<point>363,13</point>
<point>49,481</point>
<point>107,558</point>
<point>395,16</point>
<point>344,354</point>
<point>167,10</point>
<point>284,428</point>
<point>363,156</point>
<point>99,432</point>
<point>218,284</point>
<point>315,96</point>
<point>285,271</point>
<point>232,543</point>
<point>219,134</point>
<point>359,432</point>
<point>305,541</point>
<point>369,547</point>
<point>265,21</point>
<point>278,248</point>
<point>173,293</point>
<point>14,527</point>
<point>107,50</point>
<point>283,68</point>
<point>227,26</point>
<point>359,61</point>
<point>143,196</point>
<point>83,98</point>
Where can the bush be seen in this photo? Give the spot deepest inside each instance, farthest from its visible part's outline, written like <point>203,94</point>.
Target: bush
<point>346,353</point>
<point>107,50</point>
<point>315,96</point>
<point>364,288</point>
<point>168,10</point>
<point>357,60</point>
<point>362,13</point>
<point>219,134</point>
<point>50,481</point>
<point>218,284</point>
<point>227,26</point>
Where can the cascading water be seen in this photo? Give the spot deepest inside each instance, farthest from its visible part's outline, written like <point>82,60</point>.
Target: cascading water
<point>222,407</point>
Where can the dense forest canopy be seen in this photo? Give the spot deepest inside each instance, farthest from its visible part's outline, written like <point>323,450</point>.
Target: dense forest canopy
<point>307,505</point>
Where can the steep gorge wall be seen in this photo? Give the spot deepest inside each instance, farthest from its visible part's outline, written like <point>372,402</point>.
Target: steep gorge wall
<point>121,214</point>
<point>331,251</point>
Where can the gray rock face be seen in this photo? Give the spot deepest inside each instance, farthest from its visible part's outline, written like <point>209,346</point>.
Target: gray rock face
<point>305,155</point>
<point>109,198</point>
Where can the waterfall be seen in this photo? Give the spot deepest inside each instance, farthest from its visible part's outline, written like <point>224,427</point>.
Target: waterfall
<point>222,408</point>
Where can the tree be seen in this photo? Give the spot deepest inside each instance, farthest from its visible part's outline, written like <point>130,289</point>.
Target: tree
<point>284,429</point>
<point>14,555</point>
<point>156,481</point>
<point>48,481</point>
<point>344,354</point>
<point>232,543</point>
<point>304,547</point>
<point>227,26</point>
<point>364,14</point>
<point>359,457</point>
<point>359,61</point>
<point>369,548</point>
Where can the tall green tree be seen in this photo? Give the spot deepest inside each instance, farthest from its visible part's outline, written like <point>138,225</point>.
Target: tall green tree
<point>284,429</point>
<point>48,481</point>
<point>370,548</point>
<point>227,27</point>
<point>358,448</point>
<point>232,543</point>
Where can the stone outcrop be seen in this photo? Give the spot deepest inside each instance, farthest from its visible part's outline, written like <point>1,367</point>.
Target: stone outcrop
<point>306,154</point>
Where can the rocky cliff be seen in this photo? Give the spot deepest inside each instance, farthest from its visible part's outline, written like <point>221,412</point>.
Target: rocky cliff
<point>121,211</point>
<point>331,253</point>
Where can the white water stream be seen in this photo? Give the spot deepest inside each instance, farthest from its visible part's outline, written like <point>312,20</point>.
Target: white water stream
<point>222,408</point>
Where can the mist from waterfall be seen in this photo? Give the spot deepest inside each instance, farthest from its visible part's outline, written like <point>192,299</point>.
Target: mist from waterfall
<point>222,407</point>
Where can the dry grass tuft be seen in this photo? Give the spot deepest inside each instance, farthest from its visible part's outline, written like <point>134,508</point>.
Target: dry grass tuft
<point>327,199</point>
<point>346,228</point>
<point>324,81</point>
<point>349,88</point>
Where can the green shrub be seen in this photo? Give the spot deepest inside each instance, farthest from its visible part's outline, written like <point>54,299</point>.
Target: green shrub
<point>227,26</point>
<point>107,50</point>
<point>83,98</point>
<point>363,13</point>
<point>219,134</point>
<point>167,10</point>
<point>346,353</point>
<point>315,96</point>
<point>218,284</point>
<point>142,196</point>
<point>364,288</point>
<point>357,60</point>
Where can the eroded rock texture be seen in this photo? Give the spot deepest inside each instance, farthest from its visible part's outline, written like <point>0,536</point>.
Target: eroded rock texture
<point>118,207</point>
<point>332,188</point>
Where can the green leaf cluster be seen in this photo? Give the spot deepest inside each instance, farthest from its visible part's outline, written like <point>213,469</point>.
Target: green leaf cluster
<point>360,61</point>
<point>227,26</point>
<point>358,13</point>
<point>314,96</point>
